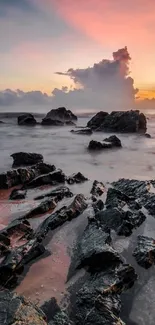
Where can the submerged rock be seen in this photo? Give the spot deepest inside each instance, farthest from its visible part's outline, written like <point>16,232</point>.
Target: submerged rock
<point>124,122</point>
<point>145,251</point>
<point>17,310</point>
<point>24,175</point>
<point>52,178</point>
<point>61,114</point>
<point>18,195</point>
<point>26,119</point>
<point>52,122</point>
<point>97,189</point>
<point>97,120</point>
<point>60,193</point>
<point>108,143</point>
<point>98,301</point>
<point>84,131</point>
<point>116,142</point>
<point>76,178</point>
<point>26,159</point>
<point>147,135</point>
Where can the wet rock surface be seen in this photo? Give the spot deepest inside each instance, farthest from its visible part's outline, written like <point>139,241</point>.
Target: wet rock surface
<point>61,114</point>
<point>98,188</point>
<point>76,178</point>
<point>16,310</point>
<point>26,119</point>
<point>108,143</point>
<point>97,120</point>
<point>52,178</point>
<point>115,141</point>
<point>60,193</point>
<point>49,121</point>
<point>26,159</point>
<point>17,194</point>
<point>144,252</point>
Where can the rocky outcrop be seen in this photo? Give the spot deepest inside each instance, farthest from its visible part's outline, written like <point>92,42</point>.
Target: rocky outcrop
<point>26,159</point>
<point>44,207</point>
<point>27,119</point>
<point>108,143</point>
<point>61,114</point>
<point>145,251</point>
<point>49,121</point>
<point>24,175</point>
<point>97,120</point>
<point>76,178</point>
<point>17,310</point>
<point>52,178</point>
<point>83,131</point>
<point>119,121</point>
<point>17,194</point>
<point>60,193</point>
<point>117,199</point>
<point>98,188</point>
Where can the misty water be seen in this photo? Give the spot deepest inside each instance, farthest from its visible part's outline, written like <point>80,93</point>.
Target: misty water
<point>69,152</point>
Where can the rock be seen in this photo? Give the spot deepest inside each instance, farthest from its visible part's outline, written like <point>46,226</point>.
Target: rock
<point>114,141</point>
<point>61,114</point>
<point>94,250</point>
<point>70,123</point>
<point>84,131</point>
<point>17,310</point>
<point>26,119</point>
<point>43,207</point>
<point>18,194</point>
<point>124,122</point>
<point>61,318</point>
<point>52,122</point>
<point>97,189</point>
<point>131,187</point>
<point>145,251</point>
<point>1,122</point>
<point>96,145</point>
<point>24,175</point>
<point>76,178</point>
<point>52,178</point>
<point>123,222</point>
<point>56,219</point>
<point>116,199</point>
<point>97,120</point>
<point>147,135</point>
<point>59,193</point>
<point>50,308</point>
<point>98,206</point>
<point>26,159</point>
<point>98,301</point>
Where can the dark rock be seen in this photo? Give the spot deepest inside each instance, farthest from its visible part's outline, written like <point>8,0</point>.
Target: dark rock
<point>116,198</point>
<point>26,119</point>
<point>123,222</point>
<point>52,122</point>
<point>145,251</point>
<point>131,187</point>
<point>56,219</point>
<point>70,123</point>
<point>52,178</point>
<point>147,135</point>
<point>76,178</point>
<point>124,122</point>
<point>50,308</point>
<point>84,131</point>
<point>61,318</point>
<point>18,194</point>
<point>43,207</point>
<point>61,114</point>
<point>114,141</point>
<point>97,120</point>
<point>94,250</point>
<point>96,145</point>
<point>97,189</point>
<point>24,175</point>
<point>26,159</point>
<point>98,301</point>
<point>59,193</point>
<point>1,122</point>
<point>17,310</point>
<point>98,206</point>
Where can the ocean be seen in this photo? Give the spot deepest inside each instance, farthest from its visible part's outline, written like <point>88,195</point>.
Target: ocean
<point>68,151</point>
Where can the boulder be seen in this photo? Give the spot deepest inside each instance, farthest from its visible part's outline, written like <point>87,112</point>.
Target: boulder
<point>76,179</point>
<point>60,193</point>
<point>61,114</point>
<point>44,207</point>
<point>145,251</point>
<point>97,189</point>
<point>17,194</point>
<point>49,121</point>
<point>117,199</point>
<point>98,205</point>
<point>97,120</point>
<point>52,178</point>
<point>83,131</point>
<point>147,135</point>
<point>26,159</point>
<point>26,119</point>
<point>17,310</point>
<point>98,301</point>
<point>116,142</point>
<point>124,122</point>
<point>70,123</point>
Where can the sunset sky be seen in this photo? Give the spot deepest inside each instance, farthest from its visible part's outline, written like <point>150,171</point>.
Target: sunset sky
<point>41,37</point>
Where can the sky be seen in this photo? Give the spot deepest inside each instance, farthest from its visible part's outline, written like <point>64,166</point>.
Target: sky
<point>62,52</point>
